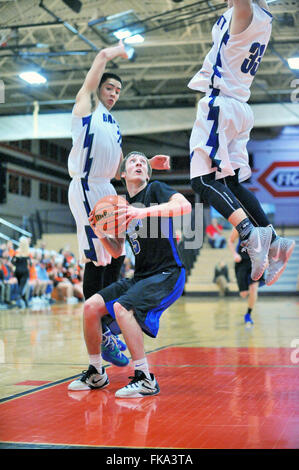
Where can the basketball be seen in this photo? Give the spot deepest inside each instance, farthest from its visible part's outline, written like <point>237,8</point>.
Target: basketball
<point>106,221</point>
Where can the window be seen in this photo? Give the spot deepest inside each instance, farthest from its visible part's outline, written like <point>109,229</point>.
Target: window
<point>64,196</point>
<point>44,148</point>
<point>53,152</point>
<point>54,193</point>
<point>26,145</point>
<point>25,187</point>
<point>44,191</point>
<point>13,184</point>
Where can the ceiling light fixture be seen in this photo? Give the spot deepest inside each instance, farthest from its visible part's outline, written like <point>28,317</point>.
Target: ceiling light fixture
<point>122,34</point>
<point>33,78</point>
<point>136,39</point>
<point>294,63</point>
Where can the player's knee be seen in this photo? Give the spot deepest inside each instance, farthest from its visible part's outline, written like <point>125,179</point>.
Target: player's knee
<point>244,294</point>
<point>120,312</point>
<point>93,306</point>
<point>233,181</point>
<point>201,185</point>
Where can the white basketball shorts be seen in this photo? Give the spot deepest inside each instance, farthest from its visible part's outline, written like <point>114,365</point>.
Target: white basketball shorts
<point>82,198</point>
<point>219,137</point>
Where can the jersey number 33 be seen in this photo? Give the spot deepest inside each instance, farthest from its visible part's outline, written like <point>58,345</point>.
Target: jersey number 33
<point>250,65</point>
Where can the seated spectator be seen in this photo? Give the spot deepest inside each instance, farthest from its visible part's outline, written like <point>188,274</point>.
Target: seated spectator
<point>11,286</point>
<point>33,279</point>
<point>2,286</point>
<point>221,278</point>
<point>74,274</point>
<point>68,257</point>
<point>62,283</point>
<point>214,232</point>
<point>10,249</point>
<point>127,270</point>
<point>44,282</point>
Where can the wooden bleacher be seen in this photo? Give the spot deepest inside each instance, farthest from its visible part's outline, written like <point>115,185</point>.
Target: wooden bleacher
<point>201,277</point>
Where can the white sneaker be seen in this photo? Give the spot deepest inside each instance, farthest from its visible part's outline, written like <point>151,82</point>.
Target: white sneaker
<point>90,379</point>
<point>140,386</point>
<point>257,247</point>
<point>279,254</point>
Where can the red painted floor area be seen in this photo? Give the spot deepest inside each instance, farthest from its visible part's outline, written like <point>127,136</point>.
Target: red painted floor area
<point>211,398</point>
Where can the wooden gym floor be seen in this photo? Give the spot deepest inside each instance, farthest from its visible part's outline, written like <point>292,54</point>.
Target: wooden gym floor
<point>223,386</point>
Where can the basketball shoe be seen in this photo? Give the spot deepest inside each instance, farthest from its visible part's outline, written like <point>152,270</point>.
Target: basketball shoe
<point>248,320</point>
<point>90,379</point>
<point>257,247</point>
<point>110,351</point>
<point>279,254</point>
<point>140,386</point>
<point>120,344</point>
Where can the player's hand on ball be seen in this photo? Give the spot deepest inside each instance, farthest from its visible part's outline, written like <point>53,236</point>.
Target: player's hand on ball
<point>105,219</point>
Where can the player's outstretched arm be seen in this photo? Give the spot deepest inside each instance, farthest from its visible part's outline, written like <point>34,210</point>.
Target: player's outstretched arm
<point>177,205</point>
<point>86,99</point>
<point>242,16</point>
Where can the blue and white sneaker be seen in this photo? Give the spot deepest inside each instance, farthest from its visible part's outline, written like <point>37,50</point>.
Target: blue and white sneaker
<point>248,320</point>
<point>111,352</point>
<point>120,344</point>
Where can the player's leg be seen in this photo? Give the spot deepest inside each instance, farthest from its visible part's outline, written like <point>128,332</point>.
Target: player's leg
<point>94,280</point>
<point>95,376</point>
<point>256,239</point>
<point>112,274</point>
<point>143,383</point>
<point>140,309</point>
<point>280,248</point>
<point>252,298</point>
<point>221,122</point>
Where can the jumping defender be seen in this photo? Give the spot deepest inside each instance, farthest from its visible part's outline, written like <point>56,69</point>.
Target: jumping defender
<point>218,153</point>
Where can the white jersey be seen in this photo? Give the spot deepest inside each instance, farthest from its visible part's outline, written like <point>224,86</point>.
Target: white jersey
<point>92,163</point>
<point>233,60</point>
<point>96,145</point>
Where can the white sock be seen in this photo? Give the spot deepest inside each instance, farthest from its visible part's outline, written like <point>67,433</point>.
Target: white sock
<point>142,365</point>
<point>96,361</point>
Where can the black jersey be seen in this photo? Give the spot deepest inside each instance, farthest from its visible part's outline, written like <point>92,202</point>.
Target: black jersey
<point>152,239</point>
<point>21,264</point>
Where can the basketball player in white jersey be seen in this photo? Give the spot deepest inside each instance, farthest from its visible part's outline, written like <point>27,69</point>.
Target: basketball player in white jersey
<point>93,161</point>
<point>218,154</point>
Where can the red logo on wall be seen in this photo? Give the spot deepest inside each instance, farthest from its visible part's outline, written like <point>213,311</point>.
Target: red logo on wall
<point>281,179</point>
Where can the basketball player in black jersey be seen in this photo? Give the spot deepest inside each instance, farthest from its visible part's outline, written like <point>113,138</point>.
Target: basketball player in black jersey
<point>136,304</point>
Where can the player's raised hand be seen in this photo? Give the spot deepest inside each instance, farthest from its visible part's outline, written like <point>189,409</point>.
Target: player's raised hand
<point>160,162</point>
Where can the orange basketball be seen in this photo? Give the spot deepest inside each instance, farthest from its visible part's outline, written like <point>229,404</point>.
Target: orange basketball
<point>106,220</point>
